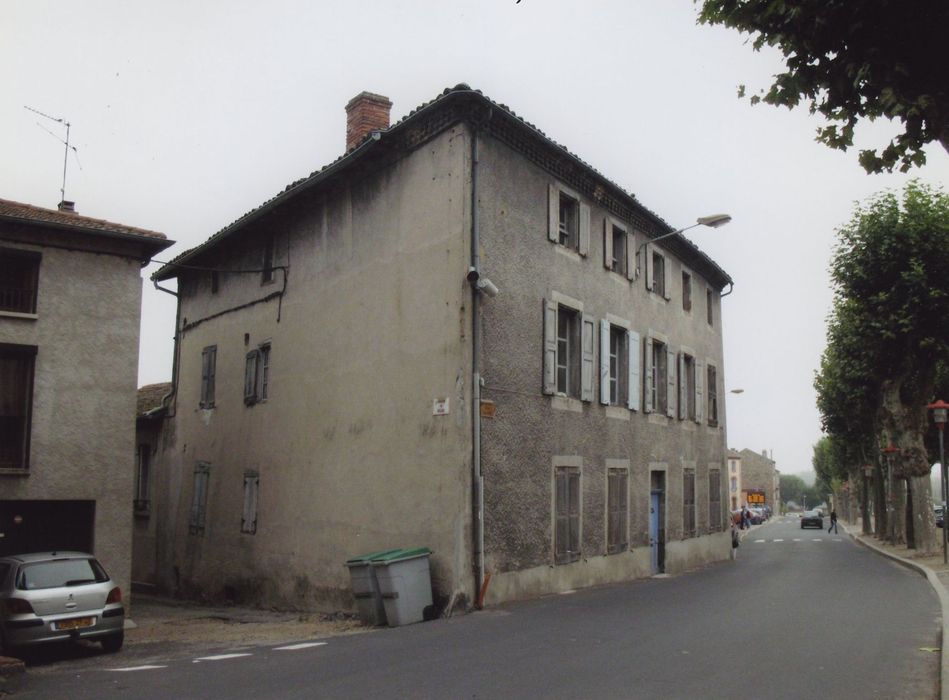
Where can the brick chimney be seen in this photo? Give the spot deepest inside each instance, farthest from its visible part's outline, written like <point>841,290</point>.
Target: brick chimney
<point>67,207</point>
<point>365,113</point>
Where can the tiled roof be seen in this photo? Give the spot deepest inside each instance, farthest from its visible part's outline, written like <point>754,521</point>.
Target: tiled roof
<point>38,215</point>
<point>462,89</point>
<point>150,396</point>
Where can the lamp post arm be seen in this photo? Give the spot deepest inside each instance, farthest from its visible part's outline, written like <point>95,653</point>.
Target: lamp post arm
<point>639,250</point>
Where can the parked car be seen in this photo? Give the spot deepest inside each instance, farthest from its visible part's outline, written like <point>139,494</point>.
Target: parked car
<point>812,518</point>
<point>56,596</point>
<point>939,511</point>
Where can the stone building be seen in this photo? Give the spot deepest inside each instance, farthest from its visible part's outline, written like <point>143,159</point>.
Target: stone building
<point>758,475</point>
<point>457,335</point>
<point>70,304</point>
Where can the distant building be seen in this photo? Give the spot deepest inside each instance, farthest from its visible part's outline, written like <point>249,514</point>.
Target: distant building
<point>457,335</point>
<point>759,478</point>
<point>70,305</point>
<point>736,498</point>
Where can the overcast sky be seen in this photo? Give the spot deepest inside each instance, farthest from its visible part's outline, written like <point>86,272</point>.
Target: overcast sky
<point>187,114</point>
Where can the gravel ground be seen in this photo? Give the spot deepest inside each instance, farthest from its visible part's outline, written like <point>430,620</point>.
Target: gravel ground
<point>165,620</point>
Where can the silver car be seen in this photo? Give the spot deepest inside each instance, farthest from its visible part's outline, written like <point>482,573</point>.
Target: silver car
<point>55,596</point>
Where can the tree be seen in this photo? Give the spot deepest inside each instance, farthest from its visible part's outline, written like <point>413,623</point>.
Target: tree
<point>853,61</point>
<point>792,487</point>
<point>888,337</point>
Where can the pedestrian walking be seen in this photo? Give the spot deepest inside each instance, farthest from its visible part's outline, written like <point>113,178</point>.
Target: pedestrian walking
<point>833,521</point>
<point>736,539</point>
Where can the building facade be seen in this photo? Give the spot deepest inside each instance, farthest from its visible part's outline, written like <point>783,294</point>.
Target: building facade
<point>759,476</point>
<point>70,305</point>
<point>459,336</point>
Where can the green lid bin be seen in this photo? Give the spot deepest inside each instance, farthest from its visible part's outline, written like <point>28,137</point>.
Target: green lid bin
<point>405,584</point>
<point>369,605</point>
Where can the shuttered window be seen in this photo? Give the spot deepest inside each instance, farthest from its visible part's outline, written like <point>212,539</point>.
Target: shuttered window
<point>687,389</point>
<point>568,220</point>
<point>657,379</point>
<point>19,280</point>
<point>208,369</point>
<point>688,503</point>
<point>249,513</point>
<point>711,389</point>
<point>617,510</point>
<point>686,291</point>
<point>714,500</point>
<point>567,515</point>
<point>199,499</point>
<point>257,375</point>
<point>17,364</point>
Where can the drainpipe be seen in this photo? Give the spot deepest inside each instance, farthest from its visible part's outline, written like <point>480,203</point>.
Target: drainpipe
<point>473,275</point>
<point>174,358</point>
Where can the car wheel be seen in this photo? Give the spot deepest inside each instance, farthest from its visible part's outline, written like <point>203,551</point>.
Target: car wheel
<point>113,643</point>
<point>802,526</point>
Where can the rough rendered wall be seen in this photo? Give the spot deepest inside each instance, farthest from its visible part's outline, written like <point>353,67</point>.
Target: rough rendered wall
<point>83,423</point>
<point>372,328</point>
<point>532,431</point>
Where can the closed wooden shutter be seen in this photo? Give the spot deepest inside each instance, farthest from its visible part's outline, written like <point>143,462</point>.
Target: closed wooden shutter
<point>553,214</point>
<point>587,356</point>
<point>250,376</point>
<point>634,386</point>
<point>648,383</point>
<point>607,244</point>
<point>630,256</point>
<point>667,277</point>
<point>550,347</point>
<point>650,270</point>
<point>604,361</point>
<point>683,388</point>
<point>670,383</point>
<point>583,246</point>
<point>699,393</point>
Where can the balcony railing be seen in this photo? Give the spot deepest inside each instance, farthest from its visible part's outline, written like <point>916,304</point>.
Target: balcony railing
<point>18,299</point>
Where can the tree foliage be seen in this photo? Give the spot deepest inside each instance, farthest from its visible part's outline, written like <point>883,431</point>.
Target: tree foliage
<point>852,61</point>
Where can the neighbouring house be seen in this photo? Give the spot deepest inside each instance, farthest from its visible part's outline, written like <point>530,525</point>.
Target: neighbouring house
<point>70,305</point>
<point>759,479</point>
<point>150,438</point>
<point>457,335</point>
<point>735,495</point>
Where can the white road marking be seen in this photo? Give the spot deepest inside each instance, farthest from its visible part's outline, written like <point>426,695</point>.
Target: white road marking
<point>817,539</point>
<point>219,657</point>
<point>134,668</point>
<point>304,645</point>
<point>779,540</point>
<point>798,539</point>
<point>757,541</point>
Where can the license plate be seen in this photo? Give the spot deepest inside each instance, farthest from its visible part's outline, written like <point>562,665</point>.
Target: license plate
<point>75,623</point>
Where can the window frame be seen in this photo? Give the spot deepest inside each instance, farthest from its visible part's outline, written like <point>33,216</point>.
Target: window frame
<point>711,390</point>
<point>250,503</point>
<point>617,510</point>
<point>686,291</point>
<point>688,503</point>
<point>24,357</point>
<point>567,515</point>
<point>714,499</point>
<point>197,515</point>
<point>29,272</point>
<point>709,307</point>
<point>257,374</point>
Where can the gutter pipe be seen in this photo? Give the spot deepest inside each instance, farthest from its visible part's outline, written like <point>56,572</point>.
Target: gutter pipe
<point>174,359</point>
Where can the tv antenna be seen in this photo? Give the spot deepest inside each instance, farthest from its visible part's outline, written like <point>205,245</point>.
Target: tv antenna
<point>62,190</point>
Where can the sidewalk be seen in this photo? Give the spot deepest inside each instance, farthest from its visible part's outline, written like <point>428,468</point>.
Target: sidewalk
<point>932,567</point>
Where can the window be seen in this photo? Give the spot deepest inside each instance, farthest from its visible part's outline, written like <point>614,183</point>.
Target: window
<point>567,515</point>
<point>267,271</point>
<point>617,510</point>
<point>619,366</point>
<point>686,291</point>
<point>142,459</point>
<point>257,375</point>
<point>19,278</point>
<point>709,307</point>
<point>249,514</point>
<point>569,352</point>
<point>618,262</point>
<point>17,364</point>
<point>687,388</point>
<point>568,346</point>
<point>618,359</point>
<point>657,376</point>
<point>714,500</point>
<point>199,499</point>
<point>688,503</point>
<point>568,220</point>
<point>712,389</point>
<point>208,363</point>
<point>658,274</point>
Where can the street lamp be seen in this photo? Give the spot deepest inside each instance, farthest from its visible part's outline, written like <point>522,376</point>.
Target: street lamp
<point>939,409</point>
<point>888,452</point>
<point>712,221</point>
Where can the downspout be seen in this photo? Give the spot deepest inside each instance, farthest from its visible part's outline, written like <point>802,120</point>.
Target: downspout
<point>477,476</point>
<point>174,358</point>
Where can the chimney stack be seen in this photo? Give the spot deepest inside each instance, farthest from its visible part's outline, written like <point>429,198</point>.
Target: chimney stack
<point>67,207</point>
<point>365,113</point>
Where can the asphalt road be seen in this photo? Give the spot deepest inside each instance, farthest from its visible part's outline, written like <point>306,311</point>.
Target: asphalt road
<point>800,614</point>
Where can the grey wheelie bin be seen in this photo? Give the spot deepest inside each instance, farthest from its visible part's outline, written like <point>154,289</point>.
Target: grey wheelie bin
<point>369,604</point>
<point>405,583</point>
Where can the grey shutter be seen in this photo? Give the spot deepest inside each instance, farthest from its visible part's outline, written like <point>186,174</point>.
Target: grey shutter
<point>205,376</point>
<point>550,347</point>
<point>587,356</point>
<point>683,388</point>
<point>250,377</point>
<point>634,387</point>
<point>647,251</point>
<point>584,241</point>
<point>607,244</point>
<point>670,383</point>
<point>647,384</point>
<point>573,479</point>
<point>604,361</point>
<point>212,369</point>
<point>699,393</point>
<point>553,214</point>
<point>667,283</point>
<point>630,256</point>
<point>561,517</point>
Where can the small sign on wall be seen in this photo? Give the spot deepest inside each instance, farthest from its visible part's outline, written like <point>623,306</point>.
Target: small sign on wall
<point>440,407</point>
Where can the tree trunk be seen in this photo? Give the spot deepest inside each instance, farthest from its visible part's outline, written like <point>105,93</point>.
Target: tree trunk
<point>924,520</point>
<point>908,519</point>
<point>865,506</point>
<point>896,526</point>
<point>879,503</point>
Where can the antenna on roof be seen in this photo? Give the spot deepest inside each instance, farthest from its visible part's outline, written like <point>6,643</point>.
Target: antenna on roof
<point>62,190</point>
